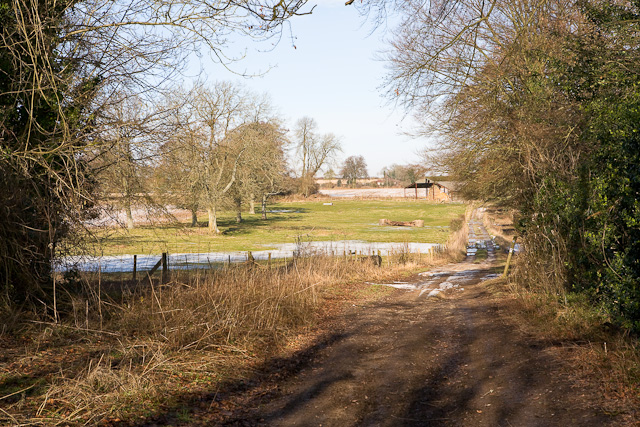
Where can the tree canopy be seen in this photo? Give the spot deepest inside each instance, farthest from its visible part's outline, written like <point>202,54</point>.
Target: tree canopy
<point>536,106</point>
<point>313,151</point>
<point>354,167</point>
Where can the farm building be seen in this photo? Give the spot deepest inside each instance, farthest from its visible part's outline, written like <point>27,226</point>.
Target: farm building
<point>431,190</point>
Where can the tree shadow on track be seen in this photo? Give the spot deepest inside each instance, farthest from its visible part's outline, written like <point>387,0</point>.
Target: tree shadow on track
<point>271,371</point>
<point>495,376</point>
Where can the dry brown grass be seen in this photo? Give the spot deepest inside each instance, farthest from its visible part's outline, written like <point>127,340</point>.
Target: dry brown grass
<point>121,355</point>
<point>597,352</point>
<point>457,242</point>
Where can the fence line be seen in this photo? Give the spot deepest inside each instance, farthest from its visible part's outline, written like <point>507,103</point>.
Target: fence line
<point>149,264</point>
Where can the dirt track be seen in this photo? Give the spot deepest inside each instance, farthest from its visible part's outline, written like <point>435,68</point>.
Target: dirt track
<point>410,361</point>
<point>413,360</point>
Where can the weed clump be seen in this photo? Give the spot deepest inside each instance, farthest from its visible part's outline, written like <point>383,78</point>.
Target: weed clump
<point>457,223</point>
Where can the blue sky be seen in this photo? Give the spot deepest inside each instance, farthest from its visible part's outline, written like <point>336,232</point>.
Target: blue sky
<point>332,75</point>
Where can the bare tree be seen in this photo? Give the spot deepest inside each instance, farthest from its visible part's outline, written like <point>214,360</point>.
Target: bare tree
<point>225,145</point>
<point>313,151</point>
<point>480,70</point>
<point>218,111</point>
<point>354,167</point>
<point>264,167</point>
<point>178,170</point>
<point>128,150</point>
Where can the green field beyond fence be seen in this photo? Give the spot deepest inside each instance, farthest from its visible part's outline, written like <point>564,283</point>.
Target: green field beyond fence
<point>286,223</point>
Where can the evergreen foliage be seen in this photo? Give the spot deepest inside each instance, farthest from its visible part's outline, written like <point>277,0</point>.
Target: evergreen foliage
<point>39,122</point>
<point>607,265</point>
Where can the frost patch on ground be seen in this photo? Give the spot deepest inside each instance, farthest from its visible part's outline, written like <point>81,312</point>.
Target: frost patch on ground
<point>459,276</point>
<point>187,261</point>
<point>398,285</point>
<point>467,273</point>
<point>435,274</point>
<point>447,285</point>
<point>443,287</point>
<point>439,281</point>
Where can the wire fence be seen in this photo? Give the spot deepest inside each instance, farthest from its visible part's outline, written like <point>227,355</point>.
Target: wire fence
<point>186,261</point>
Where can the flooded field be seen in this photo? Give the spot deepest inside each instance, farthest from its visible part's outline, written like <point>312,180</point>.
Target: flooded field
<point>185,261</point>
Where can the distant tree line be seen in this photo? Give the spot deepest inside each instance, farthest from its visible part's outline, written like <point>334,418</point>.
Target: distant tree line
<point>404,174</point>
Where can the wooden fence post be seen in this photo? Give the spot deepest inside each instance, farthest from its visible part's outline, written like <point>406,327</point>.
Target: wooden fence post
<point>506,267</point>
<point>165,268</point>
<point>135,266</point>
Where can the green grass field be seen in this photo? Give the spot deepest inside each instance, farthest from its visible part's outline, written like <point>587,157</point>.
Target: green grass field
<point>345,220</point>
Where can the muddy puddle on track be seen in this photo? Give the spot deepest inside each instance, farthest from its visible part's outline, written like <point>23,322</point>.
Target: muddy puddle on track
<point>432,283</point>
<point>415,360</point>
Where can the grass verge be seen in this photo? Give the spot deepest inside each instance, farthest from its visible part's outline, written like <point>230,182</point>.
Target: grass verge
<point>582,334</point>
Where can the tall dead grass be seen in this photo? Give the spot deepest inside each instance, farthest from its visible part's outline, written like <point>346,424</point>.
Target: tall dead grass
<point>219,308</point>
<point>541,268</point>
<point>144,344</point>
<point>456,247</point>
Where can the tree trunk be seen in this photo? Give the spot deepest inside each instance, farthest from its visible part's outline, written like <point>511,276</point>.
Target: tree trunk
<point>194,217</point>
<point>264,206</point>
<point>127,209</point>
<point>238,210</point>
<point>127,202</point>
<point>252,205</point>
<point>213,220</point>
